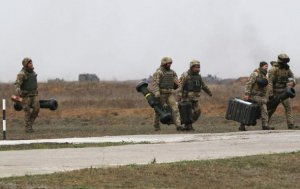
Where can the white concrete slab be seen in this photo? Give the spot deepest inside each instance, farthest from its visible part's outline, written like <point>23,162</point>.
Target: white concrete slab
<point>169,148</point>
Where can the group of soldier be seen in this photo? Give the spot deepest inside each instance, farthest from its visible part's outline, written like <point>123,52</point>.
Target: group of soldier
<point>187,88</point>
<point>278,78</point>
<point>166,86</point>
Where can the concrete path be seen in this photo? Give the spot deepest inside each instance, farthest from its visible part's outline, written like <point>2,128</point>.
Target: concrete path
<point>164,148</point>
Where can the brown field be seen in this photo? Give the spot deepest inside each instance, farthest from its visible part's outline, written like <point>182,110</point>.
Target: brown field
<point>115,108</point>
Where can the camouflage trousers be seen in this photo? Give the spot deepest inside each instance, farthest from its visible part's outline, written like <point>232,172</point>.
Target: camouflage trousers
<point>262,101</point>
<point>168,99</point>
<point>31,107</point>
<point>288,111</point>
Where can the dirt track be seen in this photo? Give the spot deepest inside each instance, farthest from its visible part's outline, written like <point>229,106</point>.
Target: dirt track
<point>164,148</point>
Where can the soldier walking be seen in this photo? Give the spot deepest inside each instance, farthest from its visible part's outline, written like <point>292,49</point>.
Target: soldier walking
<point>190,86</point>
<point>165,80</point>
<point>27,91</point>
<point>281,77</point>
<point>256,90</point>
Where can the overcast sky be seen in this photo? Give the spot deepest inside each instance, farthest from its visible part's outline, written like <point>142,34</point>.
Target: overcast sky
<point>126,39</point>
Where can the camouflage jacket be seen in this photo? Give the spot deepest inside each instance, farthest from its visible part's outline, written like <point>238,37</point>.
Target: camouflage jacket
<point>158,77</point>
<point>26,83</point>
<point>185,94</point>
<point>252,88</point>
<point>278,79</point>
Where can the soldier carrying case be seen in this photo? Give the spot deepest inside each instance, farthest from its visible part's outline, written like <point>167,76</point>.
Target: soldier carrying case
<point>242,111</point>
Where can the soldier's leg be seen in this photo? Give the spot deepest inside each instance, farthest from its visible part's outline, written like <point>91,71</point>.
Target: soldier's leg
<point>171,101</point>
<point>288,113</point>
<point>35,109</point>
<point>196,106</point>
<point>264,117</point>
<point>262,101</point>
<point>26,108</point>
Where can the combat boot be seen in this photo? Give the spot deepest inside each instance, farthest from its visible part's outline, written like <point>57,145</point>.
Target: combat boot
<point>266,128</point>
<point>242,127</point>
<point>189,127</point>
<point>180,128</point>
<point>291,126</point>
<point>156,127</point>
<point>29,129</point>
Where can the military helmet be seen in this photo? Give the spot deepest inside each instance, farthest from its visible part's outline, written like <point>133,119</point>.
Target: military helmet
<point>166,60</point>
<point>25,61</point>
<point>194,63</point>
<point>283,58</point>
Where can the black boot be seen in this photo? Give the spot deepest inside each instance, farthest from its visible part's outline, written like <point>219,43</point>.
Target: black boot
<point>291,126</point>
<point>266,128</point>
<point>242,127</point>
<point>189,127</point>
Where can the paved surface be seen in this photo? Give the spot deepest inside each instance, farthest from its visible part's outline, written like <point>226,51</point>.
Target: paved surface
<point>164,148</point>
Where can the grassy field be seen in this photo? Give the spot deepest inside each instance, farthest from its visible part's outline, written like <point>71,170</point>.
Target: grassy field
<point>262,171</point>
<point>115,108</point>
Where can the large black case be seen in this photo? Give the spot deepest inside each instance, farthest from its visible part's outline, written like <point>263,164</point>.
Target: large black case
<point>242,111</point>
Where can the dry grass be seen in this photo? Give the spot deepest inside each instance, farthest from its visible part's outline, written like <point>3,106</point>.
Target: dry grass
<point>115,108</point>
<point>263,171</point>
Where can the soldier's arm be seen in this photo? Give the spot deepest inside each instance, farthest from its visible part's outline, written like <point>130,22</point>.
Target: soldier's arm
<point>205,88</point>
<point>176,81</point>
<point>18,83</point>
<point>292,79</point>
<point>155,83</point>
<point>250,83</point>
<point>182,81</point>
<point>271,77</point>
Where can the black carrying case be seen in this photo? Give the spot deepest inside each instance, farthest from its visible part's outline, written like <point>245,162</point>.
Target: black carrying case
<point>242,111</point>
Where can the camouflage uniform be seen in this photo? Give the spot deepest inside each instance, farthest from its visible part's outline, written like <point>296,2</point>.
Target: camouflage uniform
<point>190,86</point>
<point>279,76</point>
<point>164,82</point>
<point>259,93</point>
<point>26,88</point>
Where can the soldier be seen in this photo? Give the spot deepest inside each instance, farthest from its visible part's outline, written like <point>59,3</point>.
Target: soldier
<point>26,90</point>
<point>256,90</point>
<point>164,82</point>
<point>190,86</point>
<point>281,77</point>
<point>274,63</point>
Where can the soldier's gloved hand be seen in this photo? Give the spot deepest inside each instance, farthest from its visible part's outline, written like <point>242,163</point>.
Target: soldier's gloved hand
<point>18,91</point>
<point>290,84</point>
<point>157,94</point>
<point>246,97</point>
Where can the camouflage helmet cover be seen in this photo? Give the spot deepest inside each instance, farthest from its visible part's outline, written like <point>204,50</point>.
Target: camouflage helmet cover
<point>166,60</point>
<point>283,58</point>
<point>25,61</point>
<point>194,63</point>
